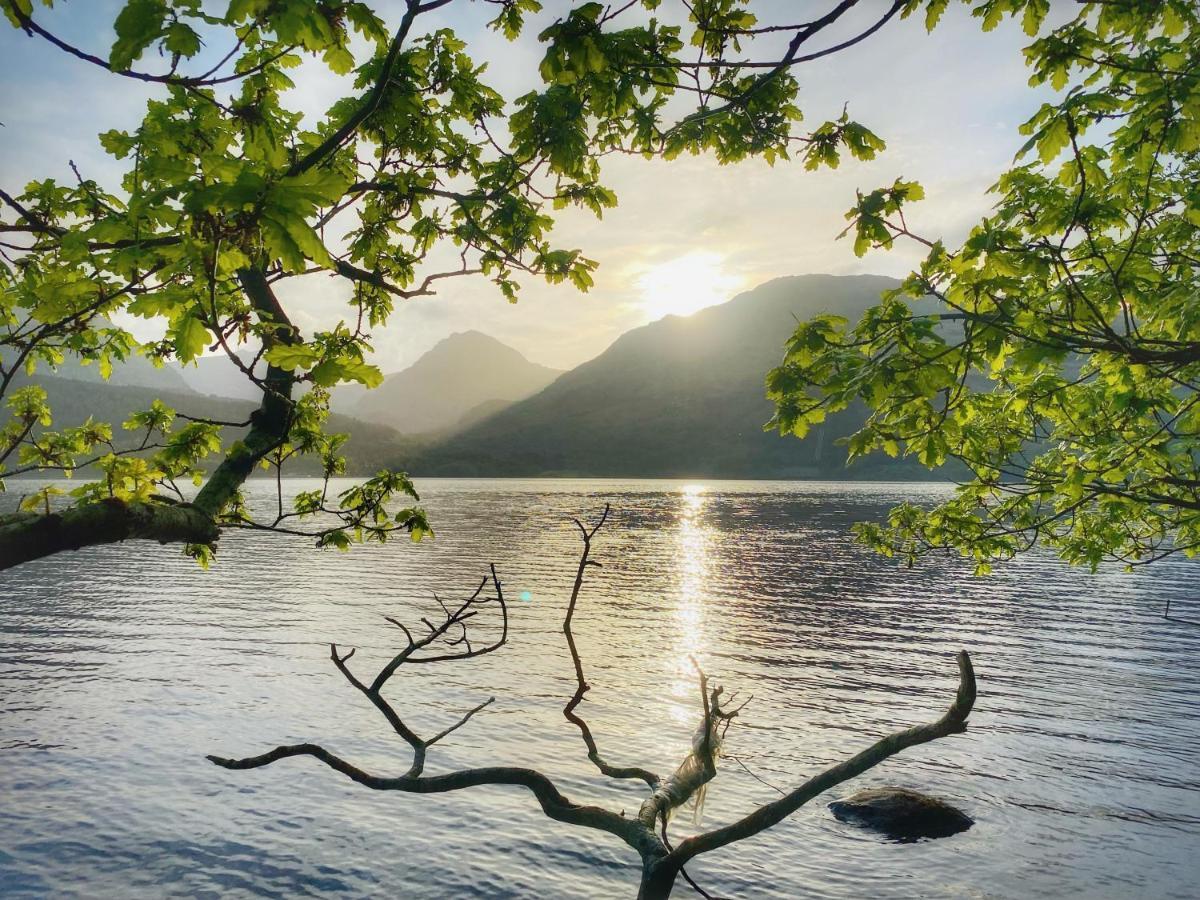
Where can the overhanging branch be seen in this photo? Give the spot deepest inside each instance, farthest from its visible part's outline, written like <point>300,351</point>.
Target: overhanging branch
<point>27,536</point>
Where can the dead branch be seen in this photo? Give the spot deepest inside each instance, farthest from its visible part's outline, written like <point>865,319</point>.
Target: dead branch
<point>455,620</point>
<point>554,804</point>
<point>953,722</point>
<point>449,639</point>
<point>582,687</point>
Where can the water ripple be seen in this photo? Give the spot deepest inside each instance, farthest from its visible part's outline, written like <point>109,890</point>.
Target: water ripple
<point>119,670</point>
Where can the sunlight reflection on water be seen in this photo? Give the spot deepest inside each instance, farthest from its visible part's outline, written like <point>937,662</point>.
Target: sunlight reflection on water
<point>691,565</point>
<point>120,669</point>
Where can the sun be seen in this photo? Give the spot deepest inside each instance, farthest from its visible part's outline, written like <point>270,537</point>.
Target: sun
<point>686,284</point>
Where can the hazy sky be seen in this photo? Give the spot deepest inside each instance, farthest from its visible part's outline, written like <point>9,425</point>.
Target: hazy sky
<point>686,233</point>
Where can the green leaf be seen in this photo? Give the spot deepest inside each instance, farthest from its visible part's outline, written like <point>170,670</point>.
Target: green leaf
<point>293,242</point>
<point>138,25</point>
<point>190,338</point>
<point>291,357</point>
<point>364,373</point>
<point>182,39</point>
<point>933,13</point>
<point>24,7</point>
<point>339,59</point>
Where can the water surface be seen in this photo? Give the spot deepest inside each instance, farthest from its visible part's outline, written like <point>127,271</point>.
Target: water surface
<point>120,667</point>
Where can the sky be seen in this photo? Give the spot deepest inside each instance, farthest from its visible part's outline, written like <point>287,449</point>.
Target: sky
<point>686,233</point>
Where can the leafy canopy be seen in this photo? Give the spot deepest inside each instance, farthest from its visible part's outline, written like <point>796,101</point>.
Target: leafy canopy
<point>226,194</point>
<point>1056,352</point>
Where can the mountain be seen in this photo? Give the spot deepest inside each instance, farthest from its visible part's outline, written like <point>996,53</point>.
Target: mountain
<point>464,375</point>
<point>217,376</point>
<point>137,371</point>
<point>370,448</point>
<point>679,397</point>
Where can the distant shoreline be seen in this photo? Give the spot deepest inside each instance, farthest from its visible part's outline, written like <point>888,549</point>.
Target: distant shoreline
<point>20,479</point>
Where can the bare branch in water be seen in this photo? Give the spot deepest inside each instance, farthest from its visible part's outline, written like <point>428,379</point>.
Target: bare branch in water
<point>581,685</point>
<point>453,619</point>
<point>449,639</point>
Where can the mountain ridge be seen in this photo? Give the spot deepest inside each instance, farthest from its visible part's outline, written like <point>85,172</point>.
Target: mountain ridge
<point>445,384</point>
<point>681,396</point>
<point>678,397</point>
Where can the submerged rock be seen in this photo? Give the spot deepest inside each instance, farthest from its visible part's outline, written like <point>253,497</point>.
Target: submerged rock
<point>901,814</point>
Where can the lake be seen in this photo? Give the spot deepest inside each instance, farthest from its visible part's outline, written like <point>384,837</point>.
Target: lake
<point>121,667</point>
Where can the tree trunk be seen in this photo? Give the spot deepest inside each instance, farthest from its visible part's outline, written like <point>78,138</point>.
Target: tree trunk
<point>269,424</point>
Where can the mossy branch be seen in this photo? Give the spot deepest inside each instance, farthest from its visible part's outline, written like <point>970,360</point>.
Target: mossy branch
<point>26,536</point>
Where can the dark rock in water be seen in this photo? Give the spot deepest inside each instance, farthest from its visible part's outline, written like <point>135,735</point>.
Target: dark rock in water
<point>901,814</point>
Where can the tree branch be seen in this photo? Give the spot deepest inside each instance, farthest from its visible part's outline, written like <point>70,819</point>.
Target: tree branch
<point>698,768</point>
<point>661,864</point>
<point>26,536</point>
<point>453,619</point>
<point>953,722</point>
<point>30,27</point>
<point>554,804</point>
<point>370,103</point>
<point>582,687</point>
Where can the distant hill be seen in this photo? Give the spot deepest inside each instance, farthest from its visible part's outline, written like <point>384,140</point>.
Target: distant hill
<point>137,371</point>
<point>464,376</point>
<point>371,447</point>
<point>217,376</point>
<point>679,397</point>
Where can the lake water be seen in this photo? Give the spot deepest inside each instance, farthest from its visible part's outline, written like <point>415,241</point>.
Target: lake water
<point>121,667</point>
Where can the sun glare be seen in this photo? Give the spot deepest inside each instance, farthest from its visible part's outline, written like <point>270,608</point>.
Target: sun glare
<point>686,284</point>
